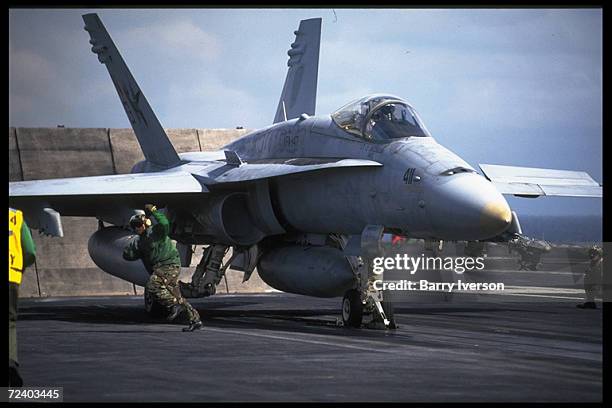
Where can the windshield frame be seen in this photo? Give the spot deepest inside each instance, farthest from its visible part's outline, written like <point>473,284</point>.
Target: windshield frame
<point>357,125</point>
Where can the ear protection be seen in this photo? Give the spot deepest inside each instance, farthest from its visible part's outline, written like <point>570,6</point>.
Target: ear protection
<point>139,220</point>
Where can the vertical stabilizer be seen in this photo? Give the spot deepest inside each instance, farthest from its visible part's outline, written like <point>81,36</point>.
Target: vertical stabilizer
<point>300,90</point>
<point>151,136</point>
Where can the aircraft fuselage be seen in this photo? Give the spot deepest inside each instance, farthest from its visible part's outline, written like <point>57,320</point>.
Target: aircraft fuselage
<point>412,192</point>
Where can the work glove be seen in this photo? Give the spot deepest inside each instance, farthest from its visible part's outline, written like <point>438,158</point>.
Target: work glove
<point>149,209</point>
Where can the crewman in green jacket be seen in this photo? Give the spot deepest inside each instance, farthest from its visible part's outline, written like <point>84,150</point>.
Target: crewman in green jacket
<point>22,253</point>
<point>161,259</point>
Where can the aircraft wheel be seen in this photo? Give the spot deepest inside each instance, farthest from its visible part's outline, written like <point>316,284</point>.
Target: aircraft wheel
<point>152,307</point>
<point>352,309</point>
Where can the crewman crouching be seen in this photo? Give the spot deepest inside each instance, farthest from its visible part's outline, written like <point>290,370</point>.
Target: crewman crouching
<point>161,259</point>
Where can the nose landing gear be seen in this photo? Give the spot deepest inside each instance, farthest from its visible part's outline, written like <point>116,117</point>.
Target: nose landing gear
<point>365,299</point>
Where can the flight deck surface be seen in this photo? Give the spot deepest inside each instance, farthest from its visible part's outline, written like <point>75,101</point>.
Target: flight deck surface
<point>281,347</point>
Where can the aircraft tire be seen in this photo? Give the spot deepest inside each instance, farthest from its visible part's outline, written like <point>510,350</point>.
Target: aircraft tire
<point>352,309</point>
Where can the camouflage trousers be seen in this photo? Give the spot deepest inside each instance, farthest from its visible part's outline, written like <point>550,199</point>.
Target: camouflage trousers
<point>592,283</point>
<point>13,297</point>
<point>15,379</point>
<point>164,287</point>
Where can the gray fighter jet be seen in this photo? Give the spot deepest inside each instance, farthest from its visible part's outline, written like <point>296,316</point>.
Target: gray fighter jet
<point>305,200</point>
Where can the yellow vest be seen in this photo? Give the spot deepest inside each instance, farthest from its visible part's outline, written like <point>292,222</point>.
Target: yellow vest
<point>15,250</point>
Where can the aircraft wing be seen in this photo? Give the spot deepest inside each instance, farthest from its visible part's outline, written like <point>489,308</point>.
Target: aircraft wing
<point>109,198</point>
<point>192,179</point>
<point>534,182</point>
<point>113,198</point>
<point>115,185</point>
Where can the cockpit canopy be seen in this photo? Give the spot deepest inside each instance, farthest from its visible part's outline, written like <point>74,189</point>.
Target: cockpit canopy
<point>380,118</point>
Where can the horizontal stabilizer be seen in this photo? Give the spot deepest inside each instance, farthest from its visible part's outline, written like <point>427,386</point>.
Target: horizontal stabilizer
<point>531,181</point>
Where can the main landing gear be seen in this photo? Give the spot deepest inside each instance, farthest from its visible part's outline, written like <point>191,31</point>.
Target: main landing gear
<point>208,273</point>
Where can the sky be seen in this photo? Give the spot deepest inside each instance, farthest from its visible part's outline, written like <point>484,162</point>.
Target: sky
<point>516,87</point>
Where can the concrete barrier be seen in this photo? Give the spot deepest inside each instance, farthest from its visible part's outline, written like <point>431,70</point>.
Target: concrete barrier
<point>15,173</point>
<point>29,283</point>
<point>65,268</point>
<point>126,151</point>
<point>81,282</point>
<point>213,139</point>
<point>184,140</point>
<point>63,152</point>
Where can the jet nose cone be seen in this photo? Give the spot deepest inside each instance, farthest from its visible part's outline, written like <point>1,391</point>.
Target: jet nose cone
<point>495,217</point>
<point>467,207</point>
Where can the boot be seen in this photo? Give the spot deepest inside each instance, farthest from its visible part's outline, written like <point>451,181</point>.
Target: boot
<point>174,312</point>
<point>210,289</point>
<point>587,305</point>
<point>197,325</point>
<point>15,379</point>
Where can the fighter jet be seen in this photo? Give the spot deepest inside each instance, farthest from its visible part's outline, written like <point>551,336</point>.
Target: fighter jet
<point>305,200</point>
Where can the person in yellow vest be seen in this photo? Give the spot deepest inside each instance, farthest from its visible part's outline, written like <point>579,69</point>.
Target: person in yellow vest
<point>22,253</point>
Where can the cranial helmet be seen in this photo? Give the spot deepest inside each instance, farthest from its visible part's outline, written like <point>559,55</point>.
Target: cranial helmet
<point>139,219</point>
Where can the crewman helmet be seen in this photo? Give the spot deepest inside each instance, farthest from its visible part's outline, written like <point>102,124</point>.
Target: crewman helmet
<point>138,220</point>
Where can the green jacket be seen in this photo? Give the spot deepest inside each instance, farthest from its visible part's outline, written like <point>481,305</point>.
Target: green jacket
<point>27,246</point>
<point>154,247</point>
